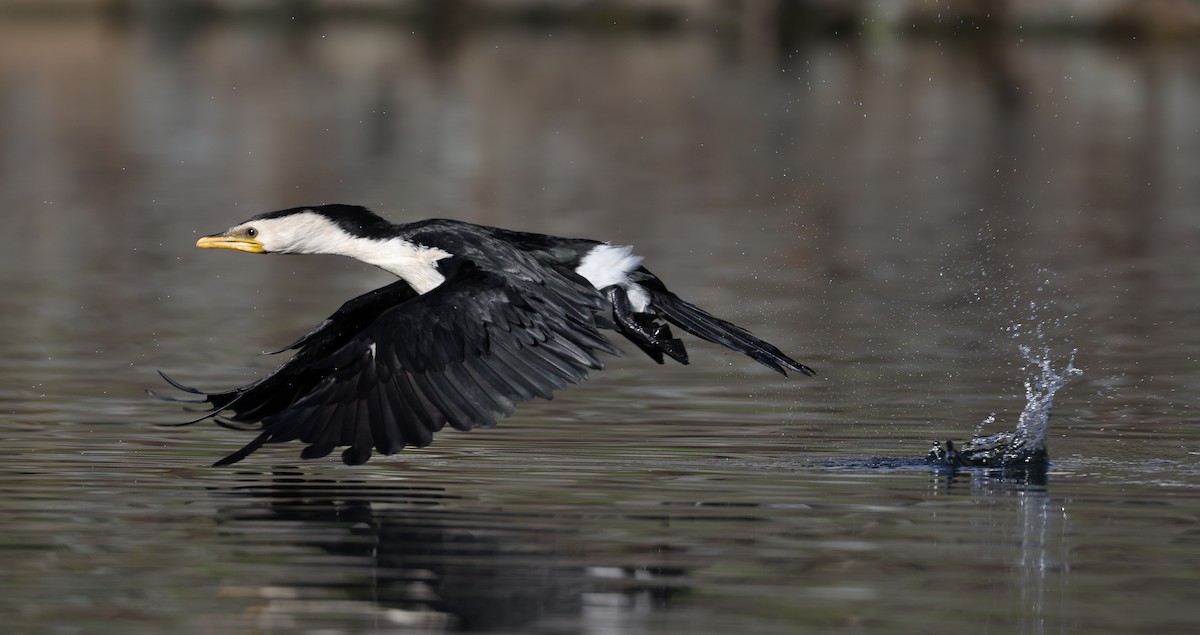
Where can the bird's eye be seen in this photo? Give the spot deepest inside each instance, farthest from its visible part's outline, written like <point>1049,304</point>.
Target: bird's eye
<point>251,232</point>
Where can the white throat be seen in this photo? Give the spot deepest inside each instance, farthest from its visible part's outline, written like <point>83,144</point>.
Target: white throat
<point>415,264</point>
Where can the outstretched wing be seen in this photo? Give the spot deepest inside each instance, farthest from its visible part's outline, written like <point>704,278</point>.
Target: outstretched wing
<point>391,367</point>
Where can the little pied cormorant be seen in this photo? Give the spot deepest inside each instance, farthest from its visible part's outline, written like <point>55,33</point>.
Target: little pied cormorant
<point>480,319</point>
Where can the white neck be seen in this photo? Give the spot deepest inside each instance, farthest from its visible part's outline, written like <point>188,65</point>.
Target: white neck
<point>310,233</point>
<point>416,264</point>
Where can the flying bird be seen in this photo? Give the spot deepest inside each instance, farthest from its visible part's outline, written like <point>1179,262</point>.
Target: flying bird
<point>480,319</point>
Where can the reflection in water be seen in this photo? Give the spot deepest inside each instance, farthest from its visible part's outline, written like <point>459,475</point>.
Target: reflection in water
<point>1019,512</point>
<point>420,559</point>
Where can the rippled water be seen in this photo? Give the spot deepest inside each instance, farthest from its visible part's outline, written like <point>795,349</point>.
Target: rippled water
<point>884,210</point>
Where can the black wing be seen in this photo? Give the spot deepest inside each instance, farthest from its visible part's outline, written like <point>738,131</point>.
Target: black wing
<point>391,367</point>
<point>707,326</point>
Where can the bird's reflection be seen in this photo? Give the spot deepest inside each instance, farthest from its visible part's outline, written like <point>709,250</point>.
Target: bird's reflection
<point>422,556</point>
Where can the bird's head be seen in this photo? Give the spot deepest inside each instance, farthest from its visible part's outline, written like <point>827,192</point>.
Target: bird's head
<point>324,229</point>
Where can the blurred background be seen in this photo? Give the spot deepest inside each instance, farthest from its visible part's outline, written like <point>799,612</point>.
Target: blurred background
<point>899,194</point>
<point>869,180</point>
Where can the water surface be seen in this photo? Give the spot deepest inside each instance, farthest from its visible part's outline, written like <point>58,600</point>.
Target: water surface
<point>901,215</point>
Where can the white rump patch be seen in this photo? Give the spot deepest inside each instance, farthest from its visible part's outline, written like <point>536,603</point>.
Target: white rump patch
<point>606,265</point>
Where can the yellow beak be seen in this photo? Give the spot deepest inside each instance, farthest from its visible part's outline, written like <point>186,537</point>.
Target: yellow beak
<point>221,241</point>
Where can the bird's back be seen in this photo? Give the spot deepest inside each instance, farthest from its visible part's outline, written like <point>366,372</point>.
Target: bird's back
<point>494,246</point>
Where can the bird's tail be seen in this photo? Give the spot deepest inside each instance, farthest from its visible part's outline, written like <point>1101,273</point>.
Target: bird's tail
<point>704,325</point>
<point>642,326</point>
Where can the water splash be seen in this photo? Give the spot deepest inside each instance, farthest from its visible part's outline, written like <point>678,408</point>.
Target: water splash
<point>987,421</point>
<point>1040,388</point>
<point>1022,450</point>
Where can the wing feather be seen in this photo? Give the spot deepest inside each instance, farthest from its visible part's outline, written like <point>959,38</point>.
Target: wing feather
<point>425,417</point>
<point>385,422</point>
<point>447,403</point>
<point>324,437</point>
<point>391,367</point>
<point>496,386</point>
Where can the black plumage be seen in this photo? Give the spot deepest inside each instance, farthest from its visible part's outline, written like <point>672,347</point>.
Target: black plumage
<point>510,318</point>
